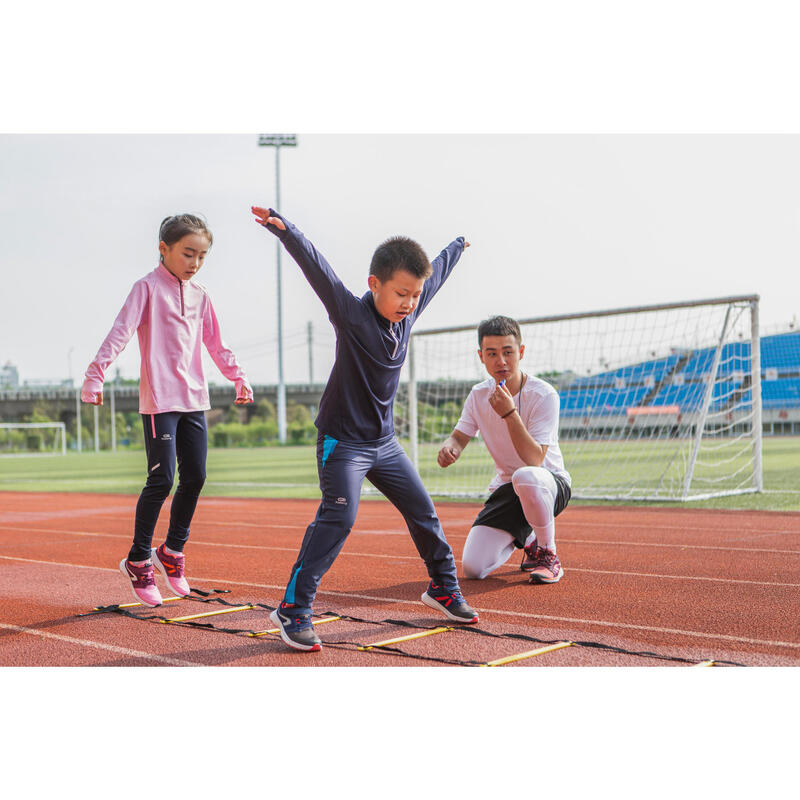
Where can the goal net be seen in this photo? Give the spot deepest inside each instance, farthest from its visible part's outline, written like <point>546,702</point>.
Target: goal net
<point>20,438</point>
<point>656,402</point>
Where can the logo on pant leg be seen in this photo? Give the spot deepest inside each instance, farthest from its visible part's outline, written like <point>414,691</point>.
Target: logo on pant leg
<point>341,501</point>
<point>166,437</point>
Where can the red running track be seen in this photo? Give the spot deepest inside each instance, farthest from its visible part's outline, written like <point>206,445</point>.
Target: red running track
<point>685,584</point>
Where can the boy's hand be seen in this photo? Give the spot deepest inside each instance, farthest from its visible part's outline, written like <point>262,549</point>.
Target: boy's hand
<point>448,455</point>
<point>263,218</point>
<point>466,244</point>
<point>501,399</point>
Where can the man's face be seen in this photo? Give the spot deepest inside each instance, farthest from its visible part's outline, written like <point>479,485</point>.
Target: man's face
<point>500,355</point>
<point>398,296</point>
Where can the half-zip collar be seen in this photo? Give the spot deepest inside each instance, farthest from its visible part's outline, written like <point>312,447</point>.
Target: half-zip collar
<point>170,277</point>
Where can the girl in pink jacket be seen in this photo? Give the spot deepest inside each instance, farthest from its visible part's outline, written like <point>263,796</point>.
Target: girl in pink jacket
<point>173,317</point>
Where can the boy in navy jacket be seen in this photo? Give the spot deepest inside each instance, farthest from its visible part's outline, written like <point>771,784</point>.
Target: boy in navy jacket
<point>355,421</point>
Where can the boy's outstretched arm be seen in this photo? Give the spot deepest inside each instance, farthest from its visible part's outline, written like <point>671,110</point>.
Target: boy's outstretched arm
<point>319,273</point>
<point>442,266</point>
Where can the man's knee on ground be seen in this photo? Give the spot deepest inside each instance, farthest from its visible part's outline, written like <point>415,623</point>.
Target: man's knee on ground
<point>472,568</point>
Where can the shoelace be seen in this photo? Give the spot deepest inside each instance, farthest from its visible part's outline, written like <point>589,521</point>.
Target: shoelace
<point>449,597</point>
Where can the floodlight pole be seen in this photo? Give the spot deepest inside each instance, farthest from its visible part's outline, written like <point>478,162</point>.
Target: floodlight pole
<point>277,141</point>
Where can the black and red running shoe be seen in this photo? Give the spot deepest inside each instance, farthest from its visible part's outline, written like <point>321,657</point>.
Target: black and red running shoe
<point>450,602</point>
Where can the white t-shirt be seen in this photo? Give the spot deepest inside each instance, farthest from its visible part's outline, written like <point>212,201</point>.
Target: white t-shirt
<point>538,406</point>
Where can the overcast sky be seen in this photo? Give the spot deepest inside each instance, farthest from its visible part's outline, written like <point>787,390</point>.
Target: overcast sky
<point>557,223</point>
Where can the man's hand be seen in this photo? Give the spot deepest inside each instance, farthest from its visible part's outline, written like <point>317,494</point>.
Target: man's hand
<point>448,455</point>
<point>501,400</point>
<point>263,218</point>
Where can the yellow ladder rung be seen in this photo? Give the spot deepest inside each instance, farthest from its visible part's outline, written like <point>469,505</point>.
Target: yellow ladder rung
<point>709,663</point>
<point>209,614</point>
<point>405,638</point>
<point>278,630</point>
<point>131,605</point>
<point>529,654</point>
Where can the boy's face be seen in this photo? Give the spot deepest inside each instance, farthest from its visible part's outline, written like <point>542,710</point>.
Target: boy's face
<point>398,296</point>
<point>500,355</point>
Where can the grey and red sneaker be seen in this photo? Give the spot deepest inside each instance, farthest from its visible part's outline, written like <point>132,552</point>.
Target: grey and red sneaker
<point>296,630</point>
<point>450,602</point>
<point>545,567</point>
<point>172,568</point>
<point>143,582</point>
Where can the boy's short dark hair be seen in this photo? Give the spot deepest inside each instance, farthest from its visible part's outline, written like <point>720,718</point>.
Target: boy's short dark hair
<point>399,252</point>
<point>499,326</point>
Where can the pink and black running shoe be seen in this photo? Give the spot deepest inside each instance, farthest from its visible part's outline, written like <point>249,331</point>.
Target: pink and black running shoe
<point>143,583</point>
<point>172,568</point>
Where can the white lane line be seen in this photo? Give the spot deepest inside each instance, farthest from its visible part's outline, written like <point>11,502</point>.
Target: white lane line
<point>34,516</point>
<point>415,604</point>
<point>681,577</point>
<point>111,648</point>
<point>561,540</point>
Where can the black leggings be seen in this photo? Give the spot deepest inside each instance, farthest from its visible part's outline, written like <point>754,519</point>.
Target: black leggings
<point>167,436</point>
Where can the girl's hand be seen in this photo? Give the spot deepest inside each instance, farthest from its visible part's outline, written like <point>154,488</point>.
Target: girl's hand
<point>244,394</point>
<point>263,218</point>
<point>94,398</point>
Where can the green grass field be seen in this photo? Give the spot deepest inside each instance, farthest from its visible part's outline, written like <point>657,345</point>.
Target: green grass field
<point>291,472</point>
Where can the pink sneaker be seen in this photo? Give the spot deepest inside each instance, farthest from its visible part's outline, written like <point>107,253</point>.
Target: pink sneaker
<point>143,582</point>
<point>171,567</point>
<point>545,567</point>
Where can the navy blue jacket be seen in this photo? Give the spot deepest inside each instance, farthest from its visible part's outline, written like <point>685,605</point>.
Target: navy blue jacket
<point>357,404</point>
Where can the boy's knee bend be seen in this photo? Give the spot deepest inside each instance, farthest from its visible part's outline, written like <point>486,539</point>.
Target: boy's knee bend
<point>342,515</point>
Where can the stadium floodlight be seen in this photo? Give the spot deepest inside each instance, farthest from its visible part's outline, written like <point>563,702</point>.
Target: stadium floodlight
<point>278,140</point>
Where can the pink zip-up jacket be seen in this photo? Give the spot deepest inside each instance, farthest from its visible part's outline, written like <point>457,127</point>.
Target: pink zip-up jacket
<point>173,318</point>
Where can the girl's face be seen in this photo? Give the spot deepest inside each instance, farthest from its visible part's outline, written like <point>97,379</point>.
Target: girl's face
<point>186,256</point>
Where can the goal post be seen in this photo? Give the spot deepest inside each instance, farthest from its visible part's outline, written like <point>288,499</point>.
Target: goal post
<point>658,402</point>
<point>17,438</point>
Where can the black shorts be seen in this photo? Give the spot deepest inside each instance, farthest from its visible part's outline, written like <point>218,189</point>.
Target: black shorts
<point>503,510</point>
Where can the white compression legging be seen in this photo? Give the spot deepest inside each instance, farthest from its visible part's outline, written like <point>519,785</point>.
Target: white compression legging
<point>488,548</point>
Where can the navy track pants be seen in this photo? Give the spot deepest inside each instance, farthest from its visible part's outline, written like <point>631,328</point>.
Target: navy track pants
<point>342,467</point>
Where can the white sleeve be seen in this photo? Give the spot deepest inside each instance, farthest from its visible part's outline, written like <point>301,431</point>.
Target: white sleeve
<point>467,423</point>
<point>543,423</point>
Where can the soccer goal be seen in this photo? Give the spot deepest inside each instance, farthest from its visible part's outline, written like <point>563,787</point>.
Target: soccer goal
<point>21,438</point>
<point>658,402</point>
